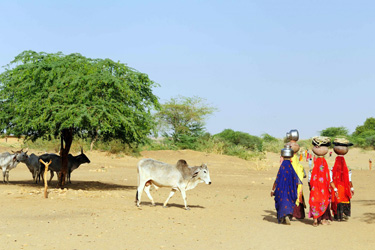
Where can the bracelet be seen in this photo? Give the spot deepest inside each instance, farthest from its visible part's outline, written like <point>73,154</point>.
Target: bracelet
<point>273,191</point>
<point>352,189</point>
<point>335,189</point>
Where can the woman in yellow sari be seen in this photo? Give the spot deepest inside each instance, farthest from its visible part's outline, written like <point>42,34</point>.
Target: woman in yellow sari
<point>299,209</point>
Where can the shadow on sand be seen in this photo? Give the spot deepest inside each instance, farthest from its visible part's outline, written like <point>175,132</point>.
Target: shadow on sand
<point>369,218</point>
<point>146,203</point>
<point>364,202</point>
<point>78,185</point>
<point>271,216</point>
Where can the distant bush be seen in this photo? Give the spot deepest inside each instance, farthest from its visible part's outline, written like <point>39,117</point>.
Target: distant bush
<point>53,145</point>
<point>113,146</point>
<point>268,138</point>
<point>245,140</point>
<point>273,146</point>
<point>365,139</point>
<point>334,132</point>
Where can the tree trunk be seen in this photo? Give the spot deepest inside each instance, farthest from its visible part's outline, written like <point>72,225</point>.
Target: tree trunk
<point>67,137</point>
<point>92,142</point>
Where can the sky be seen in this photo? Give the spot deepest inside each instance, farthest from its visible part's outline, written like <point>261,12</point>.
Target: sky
<point>267,66</point>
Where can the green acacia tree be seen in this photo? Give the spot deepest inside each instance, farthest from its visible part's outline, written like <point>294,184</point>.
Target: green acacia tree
<point>183,117</point>
<point>334,131</point>
<point>54,95</point>
<point>368,125</point>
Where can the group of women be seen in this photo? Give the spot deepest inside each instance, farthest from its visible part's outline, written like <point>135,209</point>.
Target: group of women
<point>330,190</point>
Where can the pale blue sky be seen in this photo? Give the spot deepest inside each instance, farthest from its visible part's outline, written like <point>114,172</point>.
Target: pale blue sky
<point>268,66</point>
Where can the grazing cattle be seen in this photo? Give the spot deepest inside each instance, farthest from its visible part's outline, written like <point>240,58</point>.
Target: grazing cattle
<point>33,165</point>
<point>73,163</point>
<point>178,177</point>
<point>9,161</point>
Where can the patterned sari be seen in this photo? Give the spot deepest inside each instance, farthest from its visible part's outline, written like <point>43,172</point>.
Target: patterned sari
<point>286,190</point>
<point>320,188</point>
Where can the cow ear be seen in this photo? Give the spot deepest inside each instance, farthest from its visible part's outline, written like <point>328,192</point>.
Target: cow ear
<point>195,174</point>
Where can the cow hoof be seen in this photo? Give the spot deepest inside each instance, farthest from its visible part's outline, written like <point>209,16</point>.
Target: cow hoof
<point>187,208</point>
<point>165,206</point>
<point>153,204</point>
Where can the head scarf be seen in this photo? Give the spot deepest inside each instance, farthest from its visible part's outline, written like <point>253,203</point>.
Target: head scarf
<point>340,177</point>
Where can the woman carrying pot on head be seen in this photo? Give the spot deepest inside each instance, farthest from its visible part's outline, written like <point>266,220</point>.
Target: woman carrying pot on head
<point>341,177</point>
<point>285,188</point>
<point>320,183</point>
<point>299,209</point>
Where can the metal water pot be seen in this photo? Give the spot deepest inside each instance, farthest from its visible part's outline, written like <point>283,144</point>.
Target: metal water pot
<point>287,152</point>
<point>292,135</point>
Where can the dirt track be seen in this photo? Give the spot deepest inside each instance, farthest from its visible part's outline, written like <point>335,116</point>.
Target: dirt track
<point>97,211</point>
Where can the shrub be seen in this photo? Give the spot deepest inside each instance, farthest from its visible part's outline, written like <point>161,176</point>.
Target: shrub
<point>248,141</point>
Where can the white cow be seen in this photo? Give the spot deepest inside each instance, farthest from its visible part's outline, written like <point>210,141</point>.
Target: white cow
<point>9,161</point>
<point>178,177</point>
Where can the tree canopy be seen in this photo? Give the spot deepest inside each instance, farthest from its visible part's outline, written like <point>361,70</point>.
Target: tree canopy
<point>183,116</point>
<point>368,125</point>
<point>42,94</point>
<point>334,132</point>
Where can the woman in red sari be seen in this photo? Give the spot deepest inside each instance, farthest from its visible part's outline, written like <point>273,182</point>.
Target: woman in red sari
<point>342,180</point>
<point>320,183</point>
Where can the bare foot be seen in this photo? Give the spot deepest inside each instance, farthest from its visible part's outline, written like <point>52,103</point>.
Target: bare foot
<point>287,220</point>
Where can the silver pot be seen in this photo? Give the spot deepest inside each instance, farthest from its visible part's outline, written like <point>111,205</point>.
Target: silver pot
<point>292,135</point>
<point>287,152</point>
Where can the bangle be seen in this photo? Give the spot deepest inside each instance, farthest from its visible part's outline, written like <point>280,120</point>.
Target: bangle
<point>272,191</point>
<point>335,189</point>
<point>352,189</point>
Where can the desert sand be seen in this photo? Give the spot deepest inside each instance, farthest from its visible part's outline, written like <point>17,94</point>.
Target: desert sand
<point>97,211</point>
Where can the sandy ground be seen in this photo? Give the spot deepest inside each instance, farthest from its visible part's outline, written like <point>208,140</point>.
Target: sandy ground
<point>97,211</point>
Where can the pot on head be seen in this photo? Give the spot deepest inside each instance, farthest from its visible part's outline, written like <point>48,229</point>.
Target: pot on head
<point>292,135</point>
<point>287,152</point>
<point>320,150</point>
<point>294,146</point>
<point>341,150</point>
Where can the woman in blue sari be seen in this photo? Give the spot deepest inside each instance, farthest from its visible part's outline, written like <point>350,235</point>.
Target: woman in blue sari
<point>285,188</point>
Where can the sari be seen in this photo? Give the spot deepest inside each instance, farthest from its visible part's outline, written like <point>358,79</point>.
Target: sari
<point>320,188</point>
<point>286,190</point>
<point>299,209</point>
<point>340,177</point>
<point>298,168</point>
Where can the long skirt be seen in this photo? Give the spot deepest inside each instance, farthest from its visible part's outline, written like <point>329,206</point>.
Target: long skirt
<point>342,208</point>
<point>327,214</point>
<point>299,211</point>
